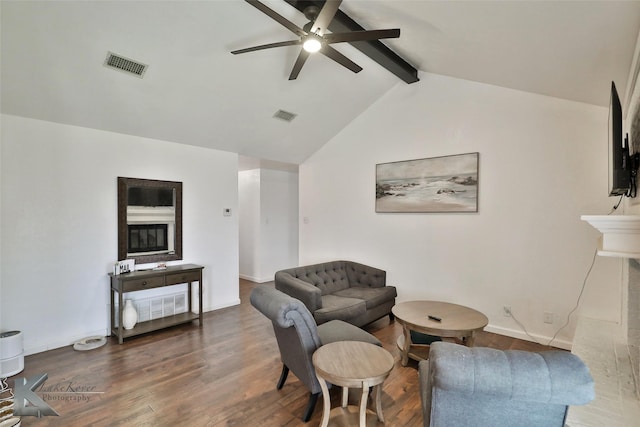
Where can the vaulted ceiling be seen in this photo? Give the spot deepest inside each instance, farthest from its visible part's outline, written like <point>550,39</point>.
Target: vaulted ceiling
<point>195,92</point>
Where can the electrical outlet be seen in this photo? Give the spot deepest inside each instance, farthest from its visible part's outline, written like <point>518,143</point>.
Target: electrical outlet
<point>548,317</point>
<point>506,310</point>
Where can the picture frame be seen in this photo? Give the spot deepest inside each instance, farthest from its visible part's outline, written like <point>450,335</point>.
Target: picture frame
<point>429,185</point>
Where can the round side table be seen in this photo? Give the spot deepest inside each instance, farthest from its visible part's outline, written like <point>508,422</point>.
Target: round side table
<point>351,364</point>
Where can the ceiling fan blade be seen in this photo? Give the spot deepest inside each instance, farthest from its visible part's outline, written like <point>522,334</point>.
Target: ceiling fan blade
<point>277,17</point>
<point>325,16</point>
<point>330,52</point>
<point>267,46</point>
<point>354,36</point>
<point>302,58</point>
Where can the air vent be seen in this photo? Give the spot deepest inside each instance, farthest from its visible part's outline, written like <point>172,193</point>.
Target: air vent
<point>284,115</point>
<point>127,65</point>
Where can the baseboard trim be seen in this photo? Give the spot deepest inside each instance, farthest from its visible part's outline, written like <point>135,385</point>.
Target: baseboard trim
<point>221,306</point>
<point>255,279</point>
<point>541,339</point>
<point>62,342</point>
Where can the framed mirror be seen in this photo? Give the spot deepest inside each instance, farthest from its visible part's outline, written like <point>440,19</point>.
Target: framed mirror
<point>149,220</point>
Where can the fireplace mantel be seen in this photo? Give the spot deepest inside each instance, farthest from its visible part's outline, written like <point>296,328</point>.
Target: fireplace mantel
<point>620,234</point>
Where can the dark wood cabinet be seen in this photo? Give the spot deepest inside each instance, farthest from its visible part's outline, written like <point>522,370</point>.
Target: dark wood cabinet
<point>151,279</point>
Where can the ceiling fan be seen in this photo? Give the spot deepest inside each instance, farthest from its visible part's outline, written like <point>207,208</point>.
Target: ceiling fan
<point>314,38</point>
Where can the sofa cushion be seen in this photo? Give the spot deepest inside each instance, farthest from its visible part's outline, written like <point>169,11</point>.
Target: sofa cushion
<point>337,330</point>
<point>340,308</point>
<point>329,277</point>
<point>364,275</point>
<point>373,297</point>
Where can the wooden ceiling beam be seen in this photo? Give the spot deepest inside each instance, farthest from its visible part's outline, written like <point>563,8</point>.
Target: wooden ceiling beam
<point>374,49</point>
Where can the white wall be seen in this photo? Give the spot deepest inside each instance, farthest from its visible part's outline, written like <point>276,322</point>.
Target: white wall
<point>249,213</point>
<point>631,206</point>
<point>268,222</point>
<point>543,163</point>
<point>59,224</point>
<point>279,219</point>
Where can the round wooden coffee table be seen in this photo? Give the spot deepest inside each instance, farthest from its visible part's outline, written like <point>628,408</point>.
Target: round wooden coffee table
<point>456,321</point>
<point>351,364</point>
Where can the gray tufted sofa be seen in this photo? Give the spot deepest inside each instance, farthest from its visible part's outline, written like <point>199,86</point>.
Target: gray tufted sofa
<point>480,387</point>
<point>339,290</point>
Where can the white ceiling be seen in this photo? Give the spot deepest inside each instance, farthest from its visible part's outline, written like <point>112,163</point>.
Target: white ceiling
<point>195,92</point>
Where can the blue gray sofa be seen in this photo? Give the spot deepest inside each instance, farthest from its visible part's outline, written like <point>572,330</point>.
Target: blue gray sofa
<point>340,290</point>
<point>480,387</point>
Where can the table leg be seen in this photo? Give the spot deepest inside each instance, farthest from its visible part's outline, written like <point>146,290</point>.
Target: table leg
<point>379,402</point>
<point>404,353</point>
<point>326,401</point>
<point>345,396</point>
<point>120,309</point>
<point>469,340</point>
<point>363,404</point>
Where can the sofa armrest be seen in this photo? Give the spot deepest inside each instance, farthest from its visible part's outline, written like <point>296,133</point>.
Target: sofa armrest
<point>310,295</point>
<point>365,276</point>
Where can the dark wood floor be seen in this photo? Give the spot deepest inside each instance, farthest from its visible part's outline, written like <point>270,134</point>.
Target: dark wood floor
<point>223,374</point>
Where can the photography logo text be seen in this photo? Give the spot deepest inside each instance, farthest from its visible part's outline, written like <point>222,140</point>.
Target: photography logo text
<point>28,403</point>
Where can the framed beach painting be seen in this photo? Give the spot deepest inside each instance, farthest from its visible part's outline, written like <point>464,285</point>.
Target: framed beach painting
<point>437,184</point>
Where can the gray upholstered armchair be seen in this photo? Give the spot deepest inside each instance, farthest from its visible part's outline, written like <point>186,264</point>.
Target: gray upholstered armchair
<point>479,387</point>
<point>298,337</point>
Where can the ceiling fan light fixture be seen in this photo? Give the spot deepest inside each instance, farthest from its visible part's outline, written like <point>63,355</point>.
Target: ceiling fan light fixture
<point>311,44</point>
<point>312,35</point>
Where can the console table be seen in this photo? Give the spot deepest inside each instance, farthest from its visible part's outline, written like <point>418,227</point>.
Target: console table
<point>150,279</point>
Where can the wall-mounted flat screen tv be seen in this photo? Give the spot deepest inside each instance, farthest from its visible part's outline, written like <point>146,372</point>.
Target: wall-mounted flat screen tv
<point>619,169</point>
